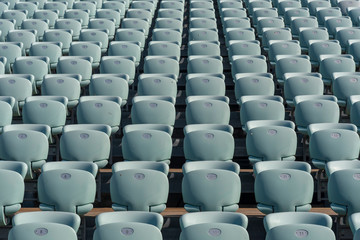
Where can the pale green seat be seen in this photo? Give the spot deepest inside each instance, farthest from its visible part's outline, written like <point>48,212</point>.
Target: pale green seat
<point>136,23</point>
<point>4,6</point>
<point>259,107</point>
<point>125,48</point>
<point>25,36</point>
<point>92,49</point>
<point>103,23</point>
<point>280,47</point>
<point>231,11</point>
<point>203,48</point>
<point>203,34</point>
<point>133,184</point>
<point>94,127</point>
<point>161,64</point>
<point>269,22</point>
<point>49,110</point>
<point>67,85</point>
<point>197,13</point>
<point>284,190</point>
<point>88,145</point>
<point>354,109</point>
<point>59,35</point>
<point>163,34</point>
<point>207,110</point>
<point>248,64</point>
<point>205,84</point>
<point>320,47</point>
<point>353,50</point>
<point>201,4</point>
<point>3,61</point>
<point>311,33</point>
<point>344,34</point>
<point>271,143</point>
<point>82,14</point>
<point>76,179</point>
<point>139,13</point>
<point>45,129</point>
<point>315,109</point>
<point>261,123</point>
<point>211,186</point>
<point>19,86</point>
<point>295,231</point>
<point>312,128</point>
<point>205,142</point>
<point>209,231</point>
<point>296,84</point>
<point>354,225</point>
<point>95,35</point>
<point>254,5</point>
<point>330,64</point>
<point>273,220</point>
<point>284,5</point>
<point>275,34</point>
<point>263,12</point>
<point>172,5</point>
<point>271,165</point>
<point>233,218</point>
<point>333,144</point>
<point>205,64</point>
<point>243,47</point>
<point>30,7</point>
<point>343,186</point>
<point>202,22</point>
<point>47,14</point>
<point>302,22</point>
<point>6,25</point>
<point>324,13</point>
<point>153,109</point>
<point>157,84</point>
<point>331,23</point>
<point>37,66</point>
<point>39,25</point>
<point>344,85</point>
<point>164,48</point>
<point>143,5</point>
<point>100,110</point>
<point>239,34</point>
<point>70,24</point>
<point>110,14</point>
<point>291,64</point>
<point>110,85</point>
<point>313,5</point>
<point>64,218</point>
<point>25,145</point>
<point>52,50</point>
<point>7,104</point>
<point>354,14</point>
<point>115,5</point>
<point>12,187</point>
<point>86,5</point>
<point>147,142</point>
<point>36,231</point>
<point>17,15</point>
<point>76,65</point>
<point>160,127</point>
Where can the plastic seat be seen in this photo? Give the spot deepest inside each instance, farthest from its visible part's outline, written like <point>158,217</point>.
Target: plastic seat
<point>100,110</point>
<point>209,230</point>
<point>128,191</point>
<point>345,85</point>
<point>4,6</point>
<point>92,49</point>
<point>291,64</point>
<point>70,24</point>
<point>139,13</point>
<point>125,48</point>
<point>302,22</point>
<point>354,14</point>
<point>313,5</point>
<point>157,84</point>
<point>330,64</point>
<point>239,34</point>
<point>147,144</point>
<point>315,109</point>
<point>26,146</point>
<point>132,35</point>
<point>78,14</point>
<point>275,34</point>
<point>202,23</point>
<point>10,50</point>
<point>59,6</point>
<point>354,109</point>
<point>271,143</point>
<point>312,128</point>
<point>59,35</point>
<point>248,64</point>
<point>64,218</point>
<point>231,11</point>
<point>205,142</point>
<point>331,23</point>
<point>283,5</point>
<point>6,25</point>
<point>296,84</point>
<point>265,123</point>
<point>109,14</point>
<point>171,35</point>
<point>243,47</point>
<point>67,85</point>
<point>37,66</point>
<point>164,48</point>
<point>169,23</point>
<point>38,230</point>
<point>205,84</point>
<point>263,12</point>
<point>17,15</point>
<point>47,14</point>
<point>178,13</point>
<point>324,13</point>
<point>205,64</point>
<point>311,231</point>
<point>118,65</point>
<point>161,64</point>
<point>153,109</point>
<point>115,5</point>
<point>26,37</point>
<point>269,22</point>
<point>202,13</point>
<point>110,85</point>
<point>223,177</point>
<point>39,25</point>
<point>320,47</point>
<point>103,23</point>
<point>77,179</point>
<point>353,49</point>
<point>261,108</point>
<point>203,34</point>
<point>86,5</point>
<point>85,145</point>
<point>255,5</point>
<point>344,34</point>
<point>276,190</point>
<point>207,110</point>
<point>143,5</point>
<point>52,50</point>
<point>95,35</point>
<point>49,110</point>
<point>76,65</point>
<point>136,24</point>
<point>279,47</point>
<point>172,5</point>
<point>310,33</point>
<point>253,84</point>
<point>292,13</point>
<point>7,104</point>
<point>354,224</point>
<point>201,4</point>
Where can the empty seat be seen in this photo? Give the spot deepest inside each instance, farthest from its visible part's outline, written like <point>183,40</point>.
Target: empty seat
<point>354,224</point>
<point>344,85</point>
<point>78,14</point>
<point>201,13</point>
<point>311,231</point>
<point>37,66</point>
<point>5,26</point>
<point>331,23</point>
<point>320,47</point>
<point>39,25</point>
<point>92,49</point>
<point>103,23</point>
<point>125,48</point>
<point>7,104</point>
<point>25,36</point>
<point>86,5</point>
<point>118,64</point>
<point>52,50</point>
<point>70,24</point>
<point>59,35</point>
<point>275,34</point>
<point>280,47</point>
<point>76,65</point>
<point>164,48</point>
<point>58,6</point>
<point>311,33</point>
<point>330,64</point>
<point>270,165</point>
<point>205,84</point>
<point>291,64</point>
<point>110,14</point>
<point>34,231</point>
<point>161,64</point>
<point>115,5</point>
<point>223,180</point>
<point>157,84</point>
<point>269,22</point>
<point>248,64</point>
<point>139,13</point>
<point>344,34</point>
<point>205,142</point>
<point>202,22</point>
<point>47,14</point>
<point>10,50</point>
<point>253,84</point>
<point>243,47</point>
<point>239,34</point>
<point>302,22</point>
<point>17,15</point>
<point>136,23</point>
<point>163,34</point>
<point>78,178</point>
<point>203,34</point>
<point>205,64</point>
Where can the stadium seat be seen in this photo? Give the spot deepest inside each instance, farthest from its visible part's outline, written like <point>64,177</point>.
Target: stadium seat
<point>92,49</point>
<point>47,14</point>
<point>52,50</point>
<point>10,50</point>
<point>161,64</point>
<point>243,47</point>
<point>103,23</point>
<point>70,24</point>
<point>321,47</point>
<point>25,36</point>
<point>270,165</point>
<point>344,85</point>
<point>280,47</point>
<point>309,231</point>
<point>96,35</point>
<point>59,35</point>
<point>125,48</point>
<point>248,64</point>
<point>203,48</point>
<point>37,231</point>
<point>76,65</point>
<point>291,64</point>
<point>82,14</point>
<point>205,84</point>
<point>157,84</point>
